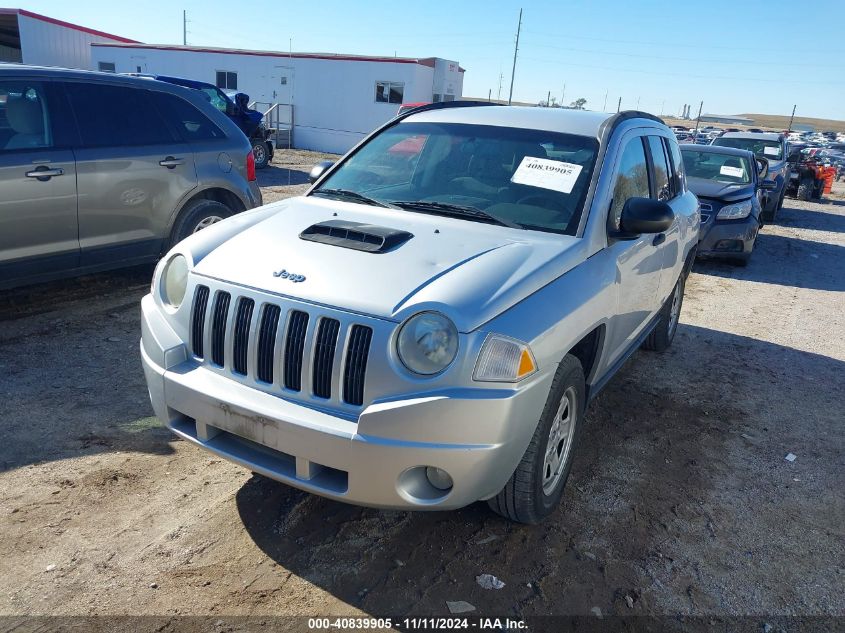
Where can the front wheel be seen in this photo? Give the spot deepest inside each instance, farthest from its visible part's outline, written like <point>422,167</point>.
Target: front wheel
<point>536,486</point>
<point>667,324</point>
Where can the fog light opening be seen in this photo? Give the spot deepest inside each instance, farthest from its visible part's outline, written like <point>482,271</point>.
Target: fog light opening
<point>438,478</point>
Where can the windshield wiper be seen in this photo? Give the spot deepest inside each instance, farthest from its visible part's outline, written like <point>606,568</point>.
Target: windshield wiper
<point>350,195</point>
<point>455,210</point>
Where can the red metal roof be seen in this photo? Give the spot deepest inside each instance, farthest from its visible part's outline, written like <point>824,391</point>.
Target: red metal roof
<point>425,61</point>
<point>75,27</point>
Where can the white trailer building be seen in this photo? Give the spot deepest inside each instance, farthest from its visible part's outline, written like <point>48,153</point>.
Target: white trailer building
<point>30,38</point>
<point>331,101</point>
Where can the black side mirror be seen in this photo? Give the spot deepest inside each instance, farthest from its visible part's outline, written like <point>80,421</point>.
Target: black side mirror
<point>318,170</point>
<point>762,167</point>
<point>643,215</point>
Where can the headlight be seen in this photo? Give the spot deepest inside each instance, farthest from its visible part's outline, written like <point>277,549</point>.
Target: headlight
<point>504,360</point>
<point>736,211</point>
<point>174,281</point>
<point>427,343</point>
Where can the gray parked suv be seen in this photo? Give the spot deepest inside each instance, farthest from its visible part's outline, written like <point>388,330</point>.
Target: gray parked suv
<point>99,171</point>
<point>771,147</point>
<point>425,327</point>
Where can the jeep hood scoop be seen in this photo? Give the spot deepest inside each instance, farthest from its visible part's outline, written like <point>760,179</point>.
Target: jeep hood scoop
<point>470,271</point>
<point>355,235</point>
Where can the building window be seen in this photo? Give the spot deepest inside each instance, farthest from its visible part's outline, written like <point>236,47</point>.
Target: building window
<point>106,67</point>
<point>388,92</point>
<point>227,80</point>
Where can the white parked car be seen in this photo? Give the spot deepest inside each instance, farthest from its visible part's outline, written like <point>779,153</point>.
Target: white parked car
<point>424,328</point>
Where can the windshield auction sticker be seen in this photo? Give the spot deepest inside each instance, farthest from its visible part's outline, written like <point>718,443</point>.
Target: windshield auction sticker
<point>545,173</point>
<point>735,172</point>
<point>770,150</point>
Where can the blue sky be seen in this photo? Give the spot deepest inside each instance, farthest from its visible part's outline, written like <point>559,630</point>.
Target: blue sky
<point>736,56</point>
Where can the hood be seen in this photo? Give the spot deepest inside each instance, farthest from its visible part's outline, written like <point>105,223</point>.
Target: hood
<point>468,270</point>
<point>725,192</point>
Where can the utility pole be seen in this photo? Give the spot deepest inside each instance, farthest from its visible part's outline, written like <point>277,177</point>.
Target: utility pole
<point>184,28</point>
<point>549,99</point>
<point>792,117</point>
<point>489,95</point>
<point>563,95</point>
<point>619,105</point>
<point>698,120</point>
<point>499,94</point>
<point>638,104</point>
<point>661,107</point>
<point>515,49</point>
<point>604,107</point>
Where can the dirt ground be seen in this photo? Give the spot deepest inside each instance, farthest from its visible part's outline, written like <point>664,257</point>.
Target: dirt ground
<point>680,500</point>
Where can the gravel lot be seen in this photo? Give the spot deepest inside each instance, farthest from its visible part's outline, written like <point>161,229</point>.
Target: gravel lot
<point>680,500</point>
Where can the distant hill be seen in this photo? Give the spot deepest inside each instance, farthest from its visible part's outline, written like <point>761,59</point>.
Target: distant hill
<point>781,122</point>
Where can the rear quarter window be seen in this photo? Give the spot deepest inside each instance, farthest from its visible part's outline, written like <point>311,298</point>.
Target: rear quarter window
<point>192,124</point>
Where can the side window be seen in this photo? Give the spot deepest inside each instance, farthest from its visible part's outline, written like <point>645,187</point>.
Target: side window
<point>678,171</point>
<point>631,179</point>
<point>192,124</point>
<point>116,116</point>
<point>389,92</point>
<point>24,116</point>
<point>661,169</point>
<point>227,80</point>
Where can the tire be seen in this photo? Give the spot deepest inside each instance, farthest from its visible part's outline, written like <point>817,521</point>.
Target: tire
<point>805,189</point>
<point>742,262</point>
<point>667,324</point>
<point>261,153</point>
<point>534,490</point>
<point>196,216</point>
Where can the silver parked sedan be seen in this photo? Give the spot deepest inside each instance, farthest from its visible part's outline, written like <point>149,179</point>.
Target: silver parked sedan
<point>100,171</point>
<point>424,328</point>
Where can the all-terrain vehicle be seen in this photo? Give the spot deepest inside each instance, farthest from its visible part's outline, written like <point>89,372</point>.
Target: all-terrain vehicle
<point>806,176</point>
<point>250,121</point>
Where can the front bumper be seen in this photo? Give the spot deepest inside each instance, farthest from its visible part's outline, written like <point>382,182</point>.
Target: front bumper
<point>477,435</point>
<point>733,239</point>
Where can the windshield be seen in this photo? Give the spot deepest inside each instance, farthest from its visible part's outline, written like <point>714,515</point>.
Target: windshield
<point>770,150</point>
<point>529,179</point>
<point>719,167</point>
<point>218,100</point>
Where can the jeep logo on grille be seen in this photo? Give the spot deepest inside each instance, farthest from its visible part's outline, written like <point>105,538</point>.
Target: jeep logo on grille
<point>286,275</point>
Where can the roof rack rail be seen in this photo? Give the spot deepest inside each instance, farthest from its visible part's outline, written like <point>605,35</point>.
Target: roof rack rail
<point>442,105</point>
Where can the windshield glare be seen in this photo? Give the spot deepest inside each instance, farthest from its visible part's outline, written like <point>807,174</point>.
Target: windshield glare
<point>720,167</point>
<point>529,178</point>
<point>770,150</point>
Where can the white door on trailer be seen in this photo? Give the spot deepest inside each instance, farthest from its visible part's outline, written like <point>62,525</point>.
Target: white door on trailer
<point>280,89</point>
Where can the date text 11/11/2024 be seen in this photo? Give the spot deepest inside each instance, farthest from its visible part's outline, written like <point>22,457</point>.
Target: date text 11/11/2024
<point>417,624</point>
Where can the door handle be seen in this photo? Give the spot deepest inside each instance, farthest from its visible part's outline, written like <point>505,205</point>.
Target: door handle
<point>171,162</point>
<point>44,173</point>
<point>659,239</point>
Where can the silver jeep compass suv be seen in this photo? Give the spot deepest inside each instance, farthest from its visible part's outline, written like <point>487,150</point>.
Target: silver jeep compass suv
<point>99,171</point>
<point>424,328</point>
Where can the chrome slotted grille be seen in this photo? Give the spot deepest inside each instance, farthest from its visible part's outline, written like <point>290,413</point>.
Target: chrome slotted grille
<point>324,357</point>
<point>198,320</point>
<point>218,328</point>
<point>294,346</point>
<point>241,338</point>
<point>356,364</point>
<point>266,343</point>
